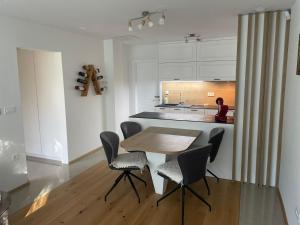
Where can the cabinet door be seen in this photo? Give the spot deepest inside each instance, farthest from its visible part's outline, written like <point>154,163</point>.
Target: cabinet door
<point>217,50</point>
<point>211,112</point>
<point>177,110</point>
<point>177,71</point>
<point>218,70</point>
<point>195,111</point>
<point>177,52</point>
<point>162,109</point>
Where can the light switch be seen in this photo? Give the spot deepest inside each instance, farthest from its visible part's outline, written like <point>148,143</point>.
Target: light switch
<point>9,110</point>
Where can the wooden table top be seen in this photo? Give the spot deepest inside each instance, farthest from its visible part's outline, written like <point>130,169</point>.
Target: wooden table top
<point>161,140</point>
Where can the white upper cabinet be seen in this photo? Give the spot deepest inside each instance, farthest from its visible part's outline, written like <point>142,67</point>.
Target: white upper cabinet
<point>216,70</point>
<point>177,71</point>
<point>214,50</point>
<point>177,52</point>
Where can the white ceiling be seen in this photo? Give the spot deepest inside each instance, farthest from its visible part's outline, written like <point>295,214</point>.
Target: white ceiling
<point>109,18</point>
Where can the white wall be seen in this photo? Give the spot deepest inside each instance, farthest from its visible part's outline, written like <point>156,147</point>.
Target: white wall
<point>116,76</point>
<point>289,173</point>
<point>84,115</point>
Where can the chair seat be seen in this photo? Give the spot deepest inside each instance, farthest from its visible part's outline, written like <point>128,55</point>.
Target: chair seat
<point>129,160</point>
<point>172,170</point>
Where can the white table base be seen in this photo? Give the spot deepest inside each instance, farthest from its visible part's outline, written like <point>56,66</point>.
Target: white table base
<point>154,160</point>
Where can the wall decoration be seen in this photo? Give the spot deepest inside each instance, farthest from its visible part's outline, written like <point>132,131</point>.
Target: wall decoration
<point>298,61</point>
<point>90,74</point>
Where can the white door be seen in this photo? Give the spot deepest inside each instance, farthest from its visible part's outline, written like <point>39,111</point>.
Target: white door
<point>146,85</point>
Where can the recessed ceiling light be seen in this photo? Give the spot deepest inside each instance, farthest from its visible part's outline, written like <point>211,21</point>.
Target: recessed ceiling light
<point>82,28</point>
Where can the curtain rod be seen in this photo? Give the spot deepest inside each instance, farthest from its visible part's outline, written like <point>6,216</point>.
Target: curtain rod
<point>268,11</point>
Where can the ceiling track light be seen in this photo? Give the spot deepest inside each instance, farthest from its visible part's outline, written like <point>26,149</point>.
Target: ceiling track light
<point>146,19</point>
<point>192,36</point>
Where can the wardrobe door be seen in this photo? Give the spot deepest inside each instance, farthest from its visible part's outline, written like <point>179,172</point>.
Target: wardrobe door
<point>29,102</point>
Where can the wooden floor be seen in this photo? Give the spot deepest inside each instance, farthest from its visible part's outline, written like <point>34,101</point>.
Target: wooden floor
<point>81,202</point>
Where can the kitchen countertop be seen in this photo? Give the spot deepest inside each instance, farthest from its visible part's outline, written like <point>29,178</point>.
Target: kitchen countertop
<point>192,106</point>
<point>180,117</point>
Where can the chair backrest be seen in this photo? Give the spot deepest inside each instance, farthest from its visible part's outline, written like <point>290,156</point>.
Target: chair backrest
<point>110,142</point>
<point>193,163</point>
<point>215,138</point>
<point>130,128</point>
<point>196,142</point>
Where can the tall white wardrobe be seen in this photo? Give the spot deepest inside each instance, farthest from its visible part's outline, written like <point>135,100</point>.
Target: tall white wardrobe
<point>43,104</point>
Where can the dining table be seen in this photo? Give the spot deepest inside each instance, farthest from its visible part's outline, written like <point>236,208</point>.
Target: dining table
<point>160,145</point>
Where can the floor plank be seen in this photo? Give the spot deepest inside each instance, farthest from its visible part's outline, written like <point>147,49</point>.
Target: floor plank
<point>81,201</point>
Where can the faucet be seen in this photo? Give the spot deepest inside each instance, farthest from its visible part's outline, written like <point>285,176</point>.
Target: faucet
<point>180,99</point>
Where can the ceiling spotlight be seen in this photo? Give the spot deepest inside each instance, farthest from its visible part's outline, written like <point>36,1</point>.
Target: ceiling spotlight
<point>150,23</point>
<point>162,19</point>
<point>130,28</point>
<point>145,18</point>
<point>192,36</point>
<point>141,24</point>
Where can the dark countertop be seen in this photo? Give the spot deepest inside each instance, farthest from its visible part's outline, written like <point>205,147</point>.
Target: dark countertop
<point>192,106</point>
<point>180,117</point>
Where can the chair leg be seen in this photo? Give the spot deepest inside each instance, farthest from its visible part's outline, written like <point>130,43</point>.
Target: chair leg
<point>140,179</point>
<point>198,196</point>
<point>166,195</point>
<point>206,184</point>
<point>132,184</point>
<point>218,179</point>
<point>114,185</point>
<point>182,204</point>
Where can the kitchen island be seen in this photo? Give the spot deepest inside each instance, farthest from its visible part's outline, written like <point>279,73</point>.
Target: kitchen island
<point>223,164</point>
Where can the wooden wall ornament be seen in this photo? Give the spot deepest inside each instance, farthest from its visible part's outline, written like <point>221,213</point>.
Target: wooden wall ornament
<point>90,75</point>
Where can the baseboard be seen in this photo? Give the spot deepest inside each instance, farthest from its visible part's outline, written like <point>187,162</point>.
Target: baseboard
<point>282,207</point>
<point>85,155</point>
<point>43,160</point>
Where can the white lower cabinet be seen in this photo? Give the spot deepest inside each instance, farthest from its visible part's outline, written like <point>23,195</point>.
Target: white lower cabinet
<point>177,110</point>
<point>195,111</point>
<point>162,109</point>
<point>211,112</point>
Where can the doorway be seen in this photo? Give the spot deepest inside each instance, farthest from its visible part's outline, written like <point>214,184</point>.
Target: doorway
<point>43,105</point>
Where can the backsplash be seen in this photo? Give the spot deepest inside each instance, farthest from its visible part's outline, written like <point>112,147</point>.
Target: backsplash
<point>198,92</point>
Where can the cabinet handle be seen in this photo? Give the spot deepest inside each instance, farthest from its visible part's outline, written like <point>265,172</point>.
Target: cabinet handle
<point>176,109</point>
<point>176,79</point>
<point>217,79</point>
<point>194,110</point>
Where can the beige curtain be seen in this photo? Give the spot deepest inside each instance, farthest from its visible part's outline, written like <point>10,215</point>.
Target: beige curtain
<point>261,72</point>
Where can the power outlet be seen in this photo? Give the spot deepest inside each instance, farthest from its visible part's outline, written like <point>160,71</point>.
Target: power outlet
<point>210,94</point>
<point>297,215</point>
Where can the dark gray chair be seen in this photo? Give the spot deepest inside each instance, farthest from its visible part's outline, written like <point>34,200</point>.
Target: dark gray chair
<point>189,167</point>
<point>130,128</point>
<point>197,143</point>
<point>125,162</point>
<point>215,138</point>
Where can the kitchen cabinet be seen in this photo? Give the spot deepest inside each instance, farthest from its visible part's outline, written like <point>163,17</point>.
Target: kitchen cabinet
<point>195,111</point>
<point>216,50</point>
<point>177,52</point>
<point>216,70</point>
<point>177,71</point>
<point>162,109</point>
<point>177,110</point>
<point>211,112</point>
